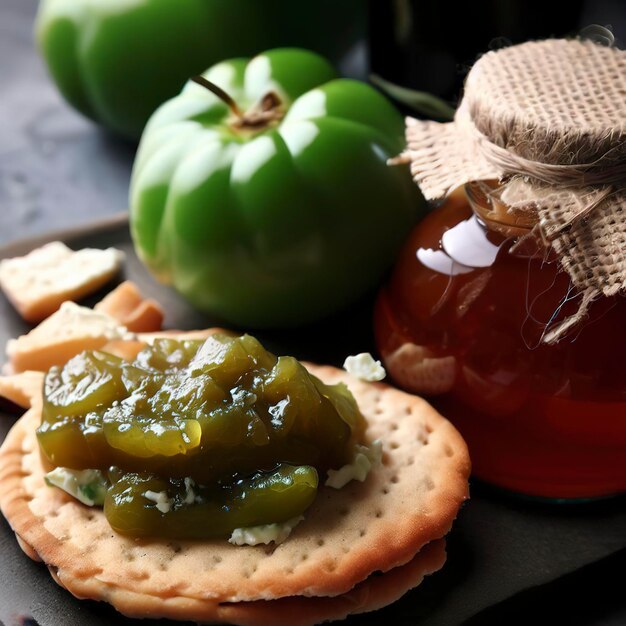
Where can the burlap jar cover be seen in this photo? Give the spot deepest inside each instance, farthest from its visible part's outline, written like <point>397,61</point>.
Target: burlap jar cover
<point>548,119</point>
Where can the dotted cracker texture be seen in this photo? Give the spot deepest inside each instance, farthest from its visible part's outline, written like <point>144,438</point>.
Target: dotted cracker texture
<point>557,102</point>
<point>389,521</point>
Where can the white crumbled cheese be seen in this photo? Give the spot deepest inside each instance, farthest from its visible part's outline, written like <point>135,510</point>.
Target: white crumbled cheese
<point>160,498</point>
<point>364,366</point>
<point>88,486</point>
<point>255,535</point>
<point>365,459</point>
<point>72,320</point>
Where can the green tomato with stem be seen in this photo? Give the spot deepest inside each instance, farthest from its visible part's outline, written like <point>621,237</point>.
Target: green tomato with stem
<point>264,195</point>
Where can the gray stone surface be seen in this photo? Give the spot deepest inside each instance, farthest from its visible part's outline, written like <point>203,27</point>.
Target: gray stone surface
<point>57,169</point>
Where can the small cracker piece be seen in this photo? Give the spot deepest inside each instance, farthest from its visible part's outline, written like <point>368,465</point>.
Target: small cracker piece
<point>64,334</point>
<point>347,534</point>
<point>38,283</point>
<point>127,305</point>
<point>22,389</point>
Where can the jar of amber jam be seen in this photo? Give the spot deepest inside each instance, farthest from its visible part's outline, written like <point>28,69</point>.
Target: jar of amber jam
<point>463,320</point>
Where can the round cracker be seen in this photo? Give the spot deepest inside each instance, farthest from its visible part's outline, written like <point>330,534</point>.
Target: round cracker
<point>372,594</point>
<point>377,591</point>
<point>365,527</point>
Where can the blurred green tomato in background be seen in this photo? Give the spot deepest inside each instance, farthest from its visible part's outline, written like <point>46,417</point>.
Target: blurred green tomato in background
<point>116,61</point>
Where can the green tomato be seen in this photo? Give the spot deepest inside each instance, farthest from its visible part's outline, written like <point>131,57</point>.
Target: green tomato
<point>283,214</point>
<point>116,61</point>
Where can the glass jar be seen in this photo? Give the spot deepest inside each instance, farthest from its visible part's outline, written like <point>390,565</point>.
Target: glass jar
<point>463,319</point>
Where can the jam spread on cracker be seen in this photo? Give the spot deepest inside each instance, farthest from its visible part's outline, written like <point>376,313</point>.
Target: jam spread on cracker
<point>198,438</point>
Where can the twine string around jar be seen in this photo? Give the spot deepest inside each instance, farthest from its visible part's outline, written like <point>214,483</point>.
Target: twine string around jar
<point>578,175</point>
<point>604,175</point>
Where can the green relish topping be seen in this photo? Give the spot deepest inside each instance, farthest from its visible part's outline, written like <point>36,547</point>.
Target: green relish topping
<point>197,438</point>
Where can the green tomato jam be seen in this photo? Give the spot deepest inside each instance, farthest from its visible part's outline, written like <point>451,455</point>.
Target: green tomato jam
<point>198,438</point>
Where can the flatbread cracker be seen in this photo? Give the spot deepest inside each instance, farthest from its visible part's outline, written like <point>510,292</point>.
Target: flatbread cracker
<point>64,334</point>
<point>38,283</point>
<point>347,535</point>
<point>22,389</point>
<point>128,306</point>
<point>74,328</point>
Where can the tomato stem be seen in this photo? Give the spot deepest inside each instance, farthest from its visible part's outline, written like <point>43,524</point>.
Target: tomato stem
<point>220,93</point>
<point>266,112</point>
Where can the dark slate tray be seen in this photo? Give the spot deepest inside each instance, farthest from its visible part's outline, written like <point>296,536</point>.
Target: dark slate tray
<point>509,560</point>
